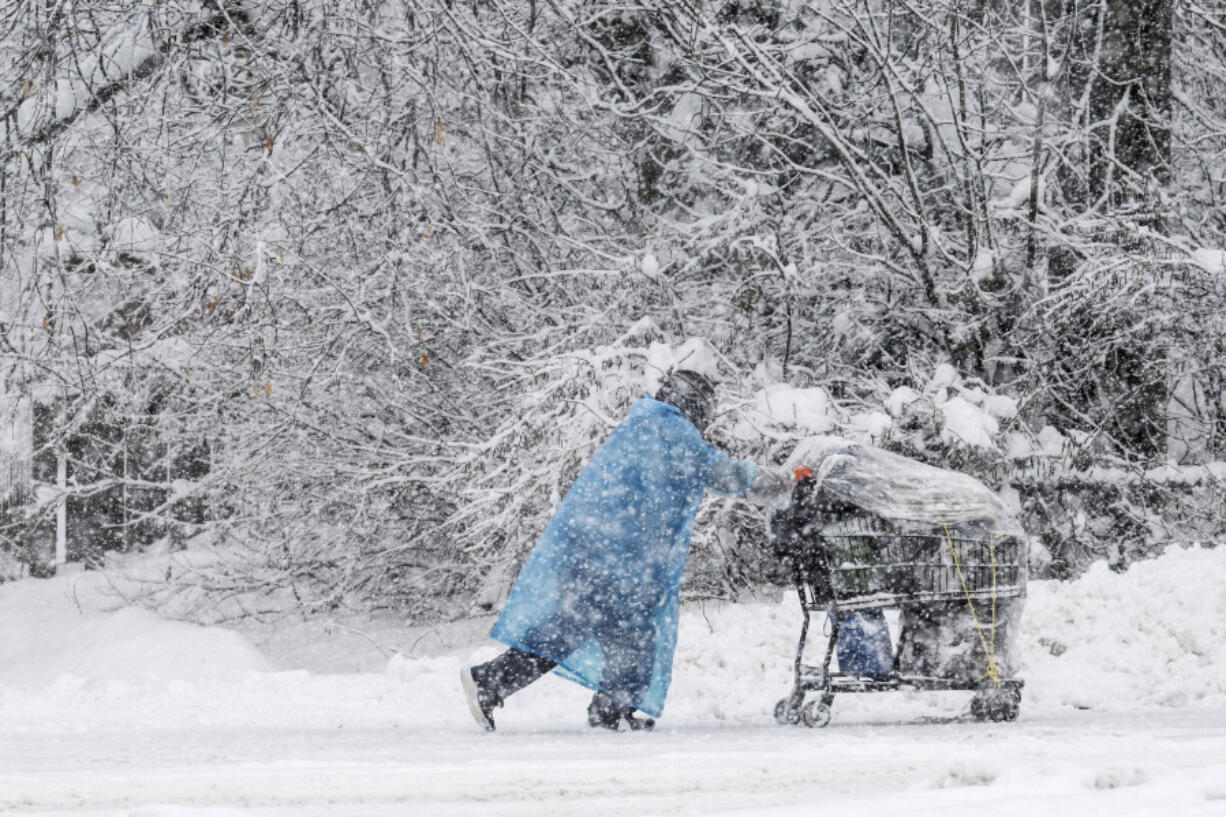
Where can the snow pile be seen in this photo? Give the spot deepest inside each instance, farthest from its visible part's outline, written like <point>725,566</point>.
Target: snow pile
<point>1018,196</point>
<point>650,266</point>
<point>1155,635</point>
<point>393,735</point>
<point>54,630</point>
<point>984,266</point>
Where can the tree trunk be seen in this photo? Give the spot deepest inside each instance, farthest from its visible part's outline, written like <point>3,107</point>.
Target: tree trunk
<point>1120,69</point>
<point>1130,102</point>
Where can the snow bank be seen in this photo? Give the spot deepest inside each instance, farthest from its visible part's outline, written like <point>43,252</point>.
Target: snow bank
<point>1155,635</point>
<point>53,631</point>
<point>1152,638</point>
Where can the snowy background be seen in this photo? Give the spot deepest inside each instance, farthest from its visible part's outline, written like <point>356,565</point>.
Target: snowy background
<point>310,311</point>
<point>111,710</point>
<point>352,289</point>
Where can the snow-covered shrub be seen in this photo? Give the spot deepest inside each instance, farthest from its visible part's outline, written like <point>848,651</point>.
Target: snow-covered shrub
<point>388,264</point>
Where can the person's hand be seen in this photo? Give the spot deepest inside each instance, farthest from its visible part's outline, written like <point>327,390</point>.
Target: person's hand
<point>801,472</point>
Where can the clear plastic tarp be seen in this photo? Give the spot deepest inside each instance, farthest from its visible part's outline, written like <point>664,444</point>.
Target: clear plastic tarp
<point>903,490</point>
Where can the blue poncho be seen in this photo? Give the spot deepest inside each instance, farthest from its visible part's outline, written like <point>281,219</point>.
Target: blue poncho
<point>599,592</point>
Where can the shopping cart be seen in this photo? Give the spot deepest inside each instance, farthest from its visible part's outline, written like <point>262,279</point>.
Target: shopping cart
<point>875,530</point>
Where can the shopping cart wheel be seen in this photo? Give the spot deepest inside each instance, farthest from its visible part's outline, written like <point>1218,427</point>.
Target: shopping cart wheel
<point>1010,705</point>
<point>815,714</point>
<point>787,712</point>
<point>998,706</point>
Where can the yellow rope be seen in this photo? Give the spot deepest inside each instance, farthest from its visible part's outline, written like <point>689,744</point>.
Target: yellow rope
<point>989,649</point>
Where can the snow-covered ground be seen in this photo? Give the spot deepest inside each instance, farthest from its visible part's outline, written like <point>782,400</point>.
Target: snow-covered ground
<point>110,710</point>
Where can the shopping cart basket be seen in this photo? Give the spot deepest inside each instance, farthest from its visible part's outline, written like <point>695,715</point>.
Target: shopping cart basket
<point>955,572</point>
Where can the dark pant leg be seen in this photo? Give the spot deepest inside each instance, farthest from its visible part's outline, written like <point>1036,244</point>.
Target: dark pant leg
<point>510,672</point>
<point>625,632</point>
<point>515,669</point>
<point>629,647</point>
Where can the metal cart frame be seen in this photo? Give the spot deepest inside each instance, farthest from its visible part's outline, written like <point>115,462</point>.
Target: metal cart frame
<point>844,560</point>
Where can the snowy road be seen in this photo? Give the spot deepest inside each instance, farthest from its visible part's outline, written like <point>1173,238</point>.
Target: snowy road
<point>1085,763</point>
<point>126,714</point>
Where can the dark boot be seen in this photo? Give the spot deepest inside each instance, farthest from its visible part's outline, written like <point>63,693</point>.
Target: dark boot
<point>606,713</point>
<point>481,701</point>
<point>488,685</point>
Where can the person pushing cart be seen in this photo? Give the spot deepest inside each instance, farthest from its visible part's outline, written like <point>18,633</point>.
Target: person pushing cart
<point>597,599</point>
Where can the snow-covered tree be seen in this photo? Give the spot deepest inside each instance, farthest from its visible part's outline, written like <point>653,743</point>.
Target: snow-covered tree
<point>349,290</point>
